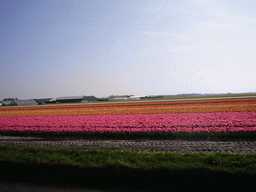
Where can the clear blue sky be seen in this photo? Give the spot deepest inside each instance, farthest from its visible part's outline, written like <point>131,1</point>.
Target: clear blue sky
<point>60,48</point>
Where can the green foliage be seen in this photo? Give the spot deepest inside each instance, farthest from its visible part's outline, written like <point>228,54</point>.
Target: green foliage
<point>101,157</point>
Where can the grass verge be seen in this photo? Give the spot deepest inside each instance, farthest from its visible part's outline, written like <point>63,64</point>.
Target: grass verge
<point>112,170</point>
<point>101,157</point>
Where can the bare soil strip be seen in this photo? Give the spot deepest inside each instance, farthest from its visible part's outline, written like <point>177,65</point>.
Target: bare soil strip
<point>194,145</point>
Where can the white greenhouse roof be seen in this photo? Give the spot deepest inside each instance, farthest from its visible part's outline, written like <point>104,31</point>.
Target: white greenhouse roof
<point>138,96</point>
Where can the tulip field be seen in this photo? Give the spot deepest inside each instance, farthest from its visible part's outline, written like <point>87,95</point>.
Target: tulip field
<point>189,117</point>
<point>227,119</point>
<point>187,122</point>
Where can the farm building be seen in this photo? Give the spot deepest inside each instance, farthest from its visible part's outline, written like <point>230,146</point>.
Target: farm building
<point>144,97</point>
<point>117,98</point>
<point>6,103</point>
<point>155,96</point>
<point>53,100</point>
<point>43,101</point>
<point>133,97</point>
<point>103,99</point>
<point>70,99</point>
<point>75,99</point>
<point>90,98</point>
<point>19,102</point>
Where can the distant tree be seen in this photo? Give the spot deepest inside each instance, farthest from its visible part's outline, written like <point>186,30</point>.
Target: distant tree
<point>8,99</point>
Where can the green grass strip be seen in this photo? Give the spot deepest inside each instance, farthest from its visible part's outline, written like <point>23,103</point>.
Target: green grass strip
<point>100,157</point>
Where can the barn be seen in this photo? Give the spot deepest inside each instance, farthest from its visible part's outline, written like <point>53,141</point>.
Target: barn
<point>6,103</point>
<point>117,98</point>
<point>136,97</point>
<point>144,97</point>
<point>43,101</point>
<point>19,102</point>
<point>122,97</point>
<point>9,103</point>
<point>155,96</point>
<point>90,98</point>
<point>103,99</point>
<point>75,99</point>
<point>71,99</point>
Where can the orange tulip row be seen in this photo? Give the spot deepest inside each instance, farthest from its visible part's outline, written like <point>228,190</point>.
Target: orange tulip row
<point>126,110</point>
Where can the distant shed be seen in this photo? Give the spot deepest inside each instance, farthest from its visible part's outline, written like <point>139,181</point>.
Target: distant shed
<point>144,97</point>
<point>20,102</point>
<point>136,97</point>
<point>43,101</point>
<point>7,103</point>
<point>155,96</point>
<point>76,99</point>
<point>90,98</point>
<point>118,98</point>
<point>71,99</point>
<point>26,102</point>
<point>103,99</point>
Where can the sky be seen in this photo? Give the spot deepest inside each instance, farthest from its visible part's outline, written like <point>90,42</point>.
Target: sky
<point>57,48</point>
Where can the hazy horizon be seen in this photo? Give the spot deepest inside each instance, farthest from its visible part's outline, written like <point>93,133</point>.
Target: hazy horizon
<point>58,48</point>
<point>134,95</point>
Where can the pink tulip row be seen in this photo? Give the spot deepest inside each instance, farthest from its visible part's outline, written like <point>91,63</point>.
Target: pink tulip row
<point>175,122</point>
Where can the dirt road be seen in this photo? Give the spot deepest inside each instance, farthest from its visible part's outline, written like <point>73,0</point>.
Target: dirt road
<point>141,145</point>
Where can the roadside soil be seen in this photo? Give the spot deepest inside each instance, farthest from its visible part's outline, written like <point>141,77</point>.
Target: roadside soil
<point>183,145</point>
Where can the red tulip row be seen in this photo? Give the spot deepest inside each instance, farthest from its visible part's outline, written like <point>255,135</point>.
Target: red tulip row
<point>179,122</point>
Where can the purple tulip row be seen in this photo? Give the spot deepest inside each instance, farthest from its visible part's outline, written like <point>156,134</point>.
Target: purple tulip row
<point>174,122</point>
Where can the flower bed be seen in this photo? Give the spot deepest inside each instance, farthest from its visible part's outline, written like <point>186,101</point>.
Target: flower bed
<point>215,117</point>
<point>220,122</point>
<point>121,109</point>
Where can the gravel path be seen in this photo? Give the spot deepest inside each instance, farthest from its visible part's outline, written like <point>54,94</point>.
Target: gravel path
<point>172,145</point>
